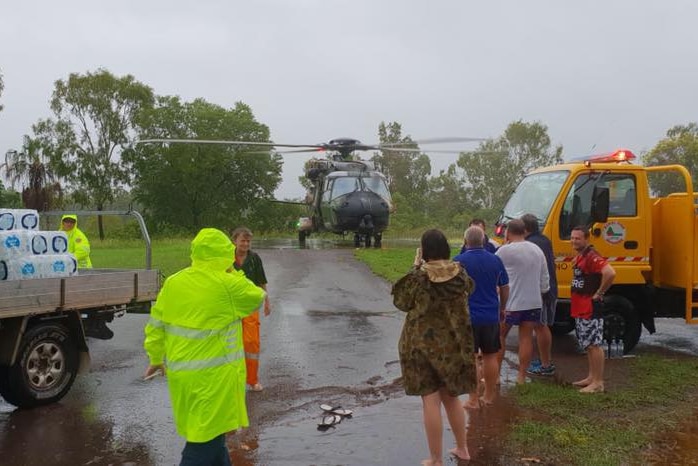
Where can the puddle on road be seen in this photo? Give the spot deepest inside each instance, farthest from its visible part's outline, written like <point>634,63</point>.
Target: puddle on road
<point>390,432</point>
<point>30,437</point>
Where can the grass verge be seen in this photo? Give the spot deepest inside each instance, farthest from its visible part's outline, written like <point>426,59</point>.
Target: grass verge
<point>559,425</point>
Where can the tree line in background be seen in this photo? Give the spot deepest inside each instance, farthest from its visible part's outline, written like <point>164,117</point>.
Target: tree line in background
<point>86,155</point>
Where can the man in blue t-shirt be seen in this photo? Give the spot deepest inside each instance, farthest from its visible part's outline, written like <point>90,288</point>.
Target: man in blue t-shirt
<point>487,304</point>
<point>488,245</point>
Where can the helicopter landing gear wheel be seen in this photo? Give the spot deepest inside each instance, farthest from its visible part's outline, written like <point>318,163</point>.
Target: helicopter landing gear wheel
<point>367,241</point>
<point>302,235</point>
<point>378,240</point>
<point>357,240</point>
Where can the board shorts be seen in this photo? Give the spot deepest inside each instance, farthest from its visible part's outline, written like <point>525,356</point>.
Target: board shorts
<point>589,332</point>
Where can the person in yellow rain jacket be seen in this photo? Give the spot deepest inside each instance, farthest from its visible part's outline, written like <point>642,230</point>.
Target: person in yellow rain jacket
<point>78,244</point>
<point>195,335</point>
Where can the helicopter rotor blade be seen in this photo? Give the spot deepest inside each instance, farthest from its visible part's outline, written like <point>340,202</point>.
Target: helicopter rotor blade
<point>445,140</point>
<point>225,142</point>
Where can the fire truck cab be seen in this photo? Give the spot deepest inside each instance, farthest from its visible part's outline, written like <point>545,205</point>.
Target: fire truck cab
<point>650,240</point>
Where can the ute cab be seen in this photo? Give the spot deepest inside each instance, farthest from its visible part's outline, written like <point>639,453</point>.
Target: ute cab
<point>649,240</point>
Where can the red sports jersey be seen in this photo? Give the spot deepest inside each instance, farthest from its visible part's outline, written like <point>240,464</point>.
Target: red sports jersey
<point>586,281</point>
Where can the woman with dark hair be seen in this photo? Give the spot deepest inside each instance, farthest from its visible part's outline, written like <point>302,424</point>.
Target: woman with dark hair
<point>436,345</point>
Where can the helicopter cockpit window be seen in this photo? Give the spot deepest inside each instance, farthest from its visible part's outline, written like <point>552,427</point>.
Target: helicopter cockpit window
<point>344,185</point>
<point>377,185</point>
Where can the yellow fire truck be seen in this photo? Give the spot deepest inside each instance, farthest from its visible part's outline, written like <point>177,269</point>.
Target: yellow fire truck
<point>649,239</point>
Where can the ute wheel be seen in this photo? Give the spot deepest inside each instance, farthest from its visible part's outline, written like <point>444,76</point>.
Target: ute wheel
<point>621,322</point>
<point>46,366</point>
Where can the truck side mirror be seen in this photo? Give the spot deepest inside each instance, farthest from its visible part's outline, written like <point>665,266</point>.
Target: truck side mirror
<point>599,204</point>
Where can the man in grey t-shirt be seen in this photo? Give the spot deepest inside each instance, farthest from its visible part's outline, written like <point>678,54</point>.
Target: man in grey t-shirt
<point>528,280</point>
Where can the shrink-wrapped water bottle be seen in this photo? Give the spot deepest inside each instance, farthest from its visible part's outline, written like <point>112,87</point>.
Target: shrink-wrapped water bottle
<point>48,242</point>
<point>18,219</point>
<point>56,265</point>
<point>13,244</point>
<point>23,268</point>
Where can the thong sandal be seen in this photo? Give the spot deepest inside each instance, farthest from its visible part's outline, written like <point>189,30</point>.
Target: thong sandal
<point>336,410</point>
<point>330,420</point>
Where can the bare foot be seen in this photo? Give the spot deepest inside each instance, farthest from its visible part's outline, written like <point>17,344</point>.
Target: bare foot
<point>430,462</point>
<point>486,402</point>
<point>592,388</point>
<point>582,383</point>
<point>472,403</point>
<point>460,453</point>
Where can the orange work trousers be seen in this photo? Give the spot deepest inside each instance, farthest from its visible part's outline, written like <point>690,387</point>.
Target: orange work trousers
<point>250,341</point>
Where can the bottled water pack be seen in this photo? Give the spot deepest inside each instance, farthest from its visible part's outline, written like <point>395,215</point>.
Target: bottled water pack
<point>19,219</point>
<point>13,244</point>
<point>48,242</point>
<point>45,266</point>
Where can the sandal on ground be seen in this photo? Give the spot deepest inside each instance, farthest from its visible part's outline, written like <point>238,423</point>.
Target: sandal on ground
<point>330,420</point>
<point>336,410</point>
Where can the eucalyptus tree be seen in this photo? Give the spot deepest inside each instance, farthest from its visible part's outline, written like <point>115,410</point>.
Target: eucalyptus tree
<point>94,115</point>
<point>191,185</point>
<point>680,146</point>
<point>492,171</point>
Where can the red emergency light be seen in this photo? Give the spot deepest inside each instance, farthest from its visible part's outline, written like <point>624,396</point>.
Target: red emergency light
<point>620,155</point>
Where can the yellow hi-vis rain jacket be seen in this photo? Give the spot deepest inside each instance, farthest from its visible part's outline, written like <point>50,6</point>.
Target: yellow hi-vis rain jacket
<point>78,245</point>
<point>195,330</point>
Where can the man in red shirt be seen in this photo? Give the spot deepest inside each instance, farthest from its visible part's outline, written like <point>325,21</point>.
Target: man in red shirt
<point>593,276</point>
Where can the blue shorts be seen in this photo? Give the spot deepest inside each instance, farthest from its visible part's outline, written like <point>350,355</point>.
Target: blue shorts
<point>517,317</point>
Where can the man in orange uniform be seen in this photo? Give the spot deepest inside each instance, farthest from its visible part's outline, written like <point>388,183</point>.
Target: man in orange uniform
<point>251,264</point>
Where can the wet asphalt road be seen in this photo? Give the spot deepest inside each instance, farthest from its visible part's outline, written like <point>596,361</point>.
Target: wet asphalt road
<point>332,338</point>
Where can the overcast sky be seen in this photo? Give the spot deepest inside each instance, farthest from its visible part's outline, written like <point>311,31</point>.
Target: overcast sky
<point>600,74</point>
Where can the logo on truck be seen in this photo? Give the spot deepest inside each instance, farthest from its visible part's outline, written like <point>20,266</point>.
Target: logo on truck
<point>613,232</point>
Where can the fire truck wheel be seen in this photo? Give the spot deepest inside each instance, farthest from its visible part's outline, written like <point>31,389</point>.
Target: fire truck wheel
<point>46,366</point>
<point>621,322</point>
<point>563,328</point>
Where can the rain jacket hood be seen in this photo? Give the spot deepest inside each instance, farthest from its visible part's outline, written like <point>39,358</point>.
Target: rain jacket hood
<point>72,216</point>
<point>212,249</point>
<point>441,270</point>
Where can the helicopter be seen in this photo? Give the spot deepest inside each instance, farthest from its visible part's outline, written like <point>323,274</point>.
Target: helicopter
<point>347,194</point>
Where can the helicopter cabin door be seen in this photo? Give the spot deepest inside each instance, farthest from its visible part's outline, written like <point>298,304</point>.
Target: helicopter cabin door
<point>326,213</point>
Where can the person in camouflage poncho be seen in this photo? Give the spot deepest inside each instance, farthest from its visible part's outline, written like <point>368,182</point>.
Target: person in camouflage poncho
<point>436,344</point>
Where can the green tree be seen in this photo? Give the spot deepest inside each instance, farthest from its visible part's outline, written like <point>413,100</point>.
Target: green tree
<point>31,170</point>
<point>679,147</point>
<point>94,123</point>
<point>407,171</point>
<point>195,185</point>
<point>490,173</point>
